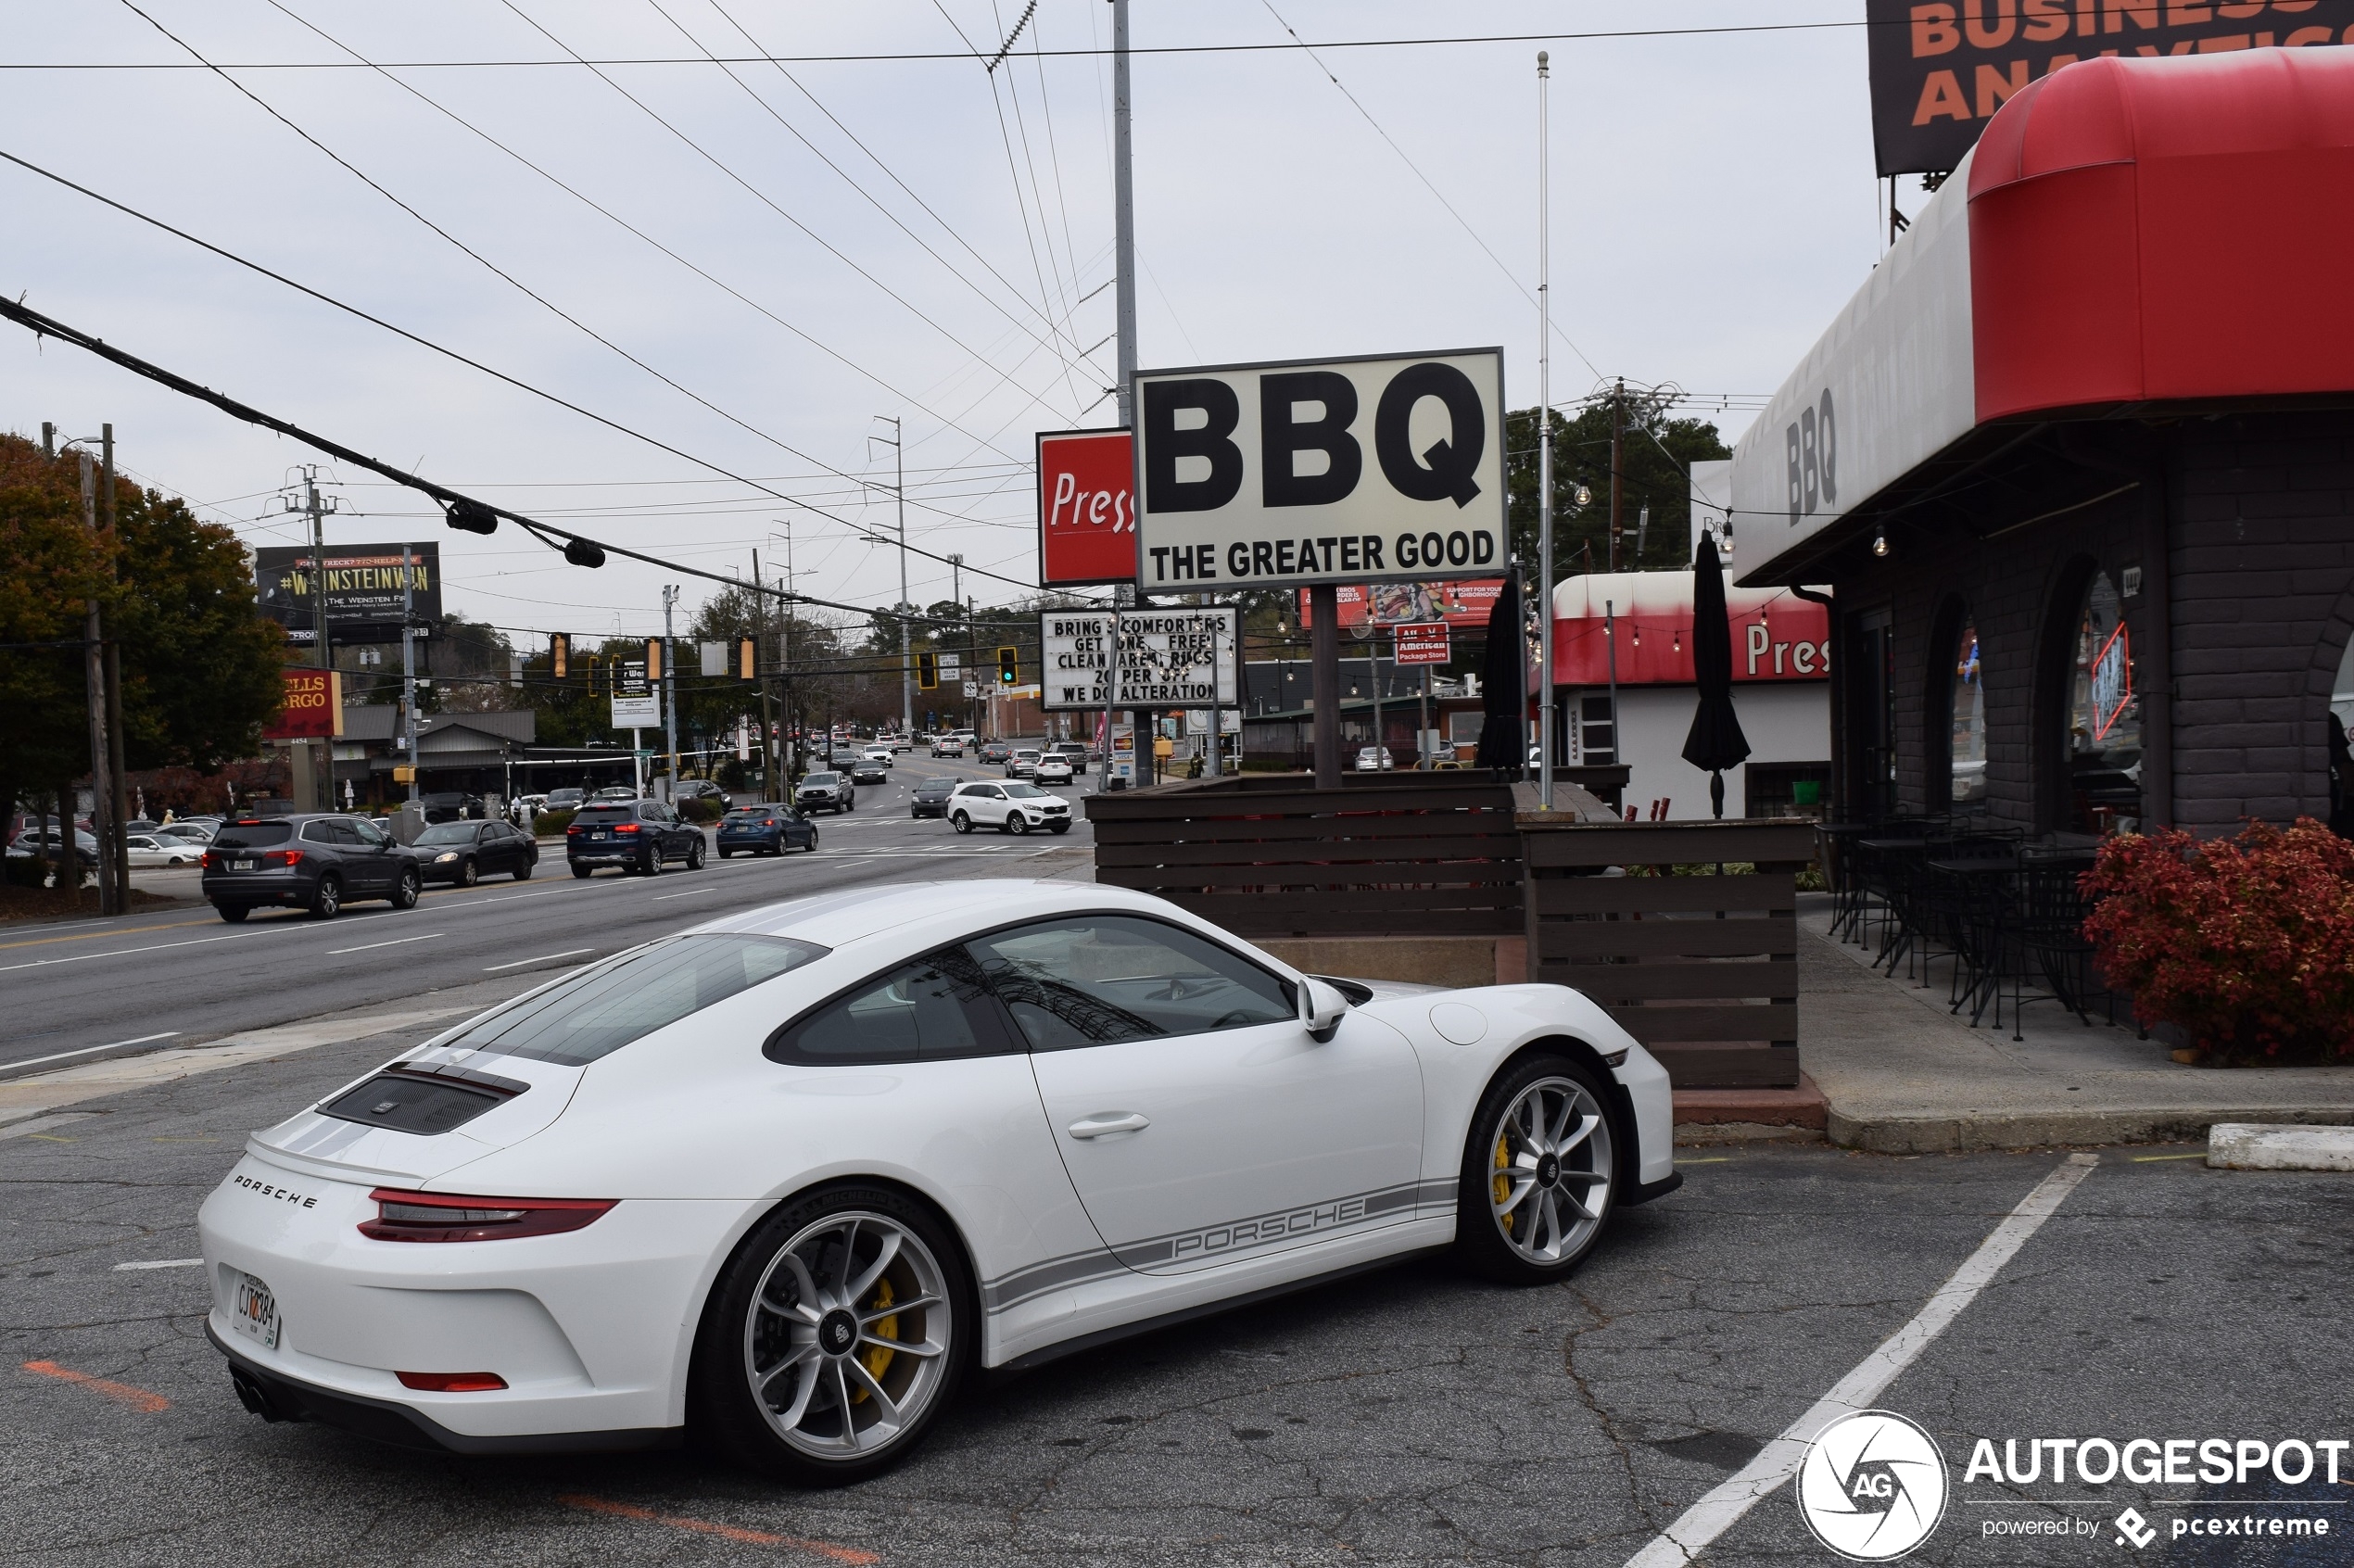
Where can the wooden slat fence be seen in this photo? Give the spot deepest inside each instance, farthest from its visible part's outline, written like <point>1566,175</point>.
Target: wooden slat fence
<point>1702,969</point>
<point>1270,854</point>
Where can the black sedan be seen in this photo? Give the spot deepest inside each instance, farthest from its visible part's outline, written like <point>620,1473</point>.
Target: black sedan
<point>766,829</point>
<point>867,770</point>
<point>931,798</point>
<point>464,852</point>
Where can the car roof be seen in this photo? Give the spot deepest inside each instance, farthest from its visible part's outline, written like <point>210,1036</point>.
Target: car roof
<point>918,915</point>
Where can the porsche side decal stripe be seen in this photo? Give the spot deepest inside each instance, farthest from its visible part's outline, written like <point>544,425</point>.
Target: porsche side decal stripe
<point>1229,1237</point>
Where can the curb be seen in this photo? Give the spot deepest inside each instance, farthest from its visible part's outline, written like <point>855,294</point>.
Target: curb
<point>2253,1146</point>
<point>1998,1129</point>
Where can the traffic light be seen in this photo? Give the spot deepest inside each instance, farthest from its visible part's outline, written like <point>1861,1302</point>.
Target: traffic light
<point>559,656</point>
<point>472,517</point>
<point>1008,666</point>
<point>926,671</point>
<point>653,660</point>
<point>747,659</point>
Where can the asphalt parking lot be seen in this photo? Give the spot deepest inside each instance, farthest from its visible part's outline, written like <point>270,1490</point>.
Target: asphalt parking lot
<point>1408,1416</point>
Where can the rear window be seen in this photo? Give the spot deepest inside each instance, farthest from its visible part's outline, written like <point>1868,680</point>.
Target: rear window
<point>607,813</point>
<point>248,834</point>
<point>595,1014</point>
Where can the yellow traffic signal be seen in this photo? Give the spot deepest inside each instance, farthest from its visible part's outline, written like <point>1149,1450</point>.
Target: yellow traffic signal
<point>1009,667</point>
<point>747,659</point>
<point>559,656</point>
<point>653,659</point>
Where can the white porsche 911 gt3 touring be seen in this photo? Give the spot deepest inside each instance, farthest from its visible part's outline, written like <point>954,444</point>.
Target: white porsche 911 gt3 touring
<point>788,1178</point>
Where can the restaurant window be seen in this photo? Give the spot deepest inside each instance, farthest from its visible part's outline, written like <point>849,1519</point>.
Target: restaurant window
<point>1598,730</point>
<point>2341,724</point>
<point>1966,710</point>
<point>2104,716</point>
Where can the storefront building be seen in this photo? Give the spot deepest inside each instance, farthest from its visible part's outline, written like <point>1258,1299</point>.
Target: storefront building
<point>2079,462</point>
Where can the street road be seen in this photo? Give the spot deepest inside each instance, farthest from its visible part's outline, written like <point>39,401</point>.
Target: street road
<point>180,976</point>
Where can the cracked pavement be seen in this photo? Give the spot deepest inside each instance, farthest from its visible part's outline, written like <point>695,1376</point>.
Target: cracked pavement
<point>1408,1416</point>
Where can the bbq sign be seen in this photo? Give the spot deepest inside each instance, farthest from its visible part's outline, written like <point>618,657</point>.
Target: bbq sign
<point>1355,470</point>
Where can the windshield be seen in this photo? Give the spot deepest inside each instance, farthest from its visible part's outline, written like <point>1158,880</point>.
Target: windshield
<point>936,787</point>
<point>819,778</point>
<point>250,835</point>
<point>595,1014</point>
<point>447,834</point>
<point>1024,792</point>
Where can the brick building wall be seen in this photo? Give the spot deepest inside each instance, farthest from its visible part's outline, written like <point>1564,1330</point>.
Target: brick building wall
<point>2260,540</point>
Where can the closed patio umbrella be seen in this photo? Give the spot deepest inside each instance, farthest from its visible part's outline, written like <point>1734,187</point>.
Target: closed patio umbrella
<point>1505,675</point>
<point>1716,742</point>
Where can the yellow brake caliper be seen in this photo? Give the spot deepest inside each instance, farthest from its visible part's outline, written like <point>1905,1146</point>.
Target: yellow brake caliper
<point>1503,1186</point>
<point>875,1357</point>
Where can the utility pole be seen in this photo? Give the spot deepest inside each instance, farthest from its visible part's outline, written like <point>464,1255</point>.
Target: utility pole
<point>669,697</point>
<point>409,664</point>
<point>768,737</point>
<point>94,676</point>
<point>1617,434</point>
<point>118,841</point>
<point>322,785</point>
<point>907,657</point>
<point>1545,718</point>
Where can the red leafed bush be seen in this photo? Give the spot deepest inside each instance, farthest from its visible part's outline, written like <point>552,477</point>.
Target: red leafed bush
<point>2247,945</point>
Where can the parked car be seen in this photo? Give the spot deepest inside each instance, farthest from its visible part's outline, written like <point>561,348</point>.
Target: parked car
<point>1052,769</point>
<point>797,1176</point>
<point>826,792</point>
<point>947,746</point>
<point>1374,758</point>
<point>1023,763</point>
<point>1074,751</point>
<point>195,830</point>
<point>1009,808</point>
<point>697,790</point>
<point>565,800</point>
<point>868,770</point>
<point>464,852</point>
<point>21,847</point>
<point>996,751</point>
<point>635,835</point>
<point>451,806</point>
<point>767,829</point>
<point>160,848</point>
<point>614,792</point>
<point>314,862</point>
<point>931,798</point>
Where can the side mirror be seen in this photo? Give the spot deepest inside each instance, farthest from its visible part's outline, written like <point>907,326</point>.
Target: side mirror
<point>1326,1006</point>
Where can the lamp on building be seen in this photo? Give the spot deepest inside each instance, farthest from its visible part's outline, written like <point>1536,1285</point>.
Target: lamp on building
<point>1880,542</point>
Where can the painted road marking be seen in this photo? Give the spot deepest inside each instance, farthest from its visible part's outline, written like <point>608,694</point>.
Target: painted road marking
<point>139,1400</point>
<point>1691,1535</point>
<point>367,946</point>
<point>36,1061</point>
<point>661,898</point>
<point>827,1549</point>
<point>543,959</point>
<point>39,1126</point>
<point>93,936</point>
<point>161,1263</point>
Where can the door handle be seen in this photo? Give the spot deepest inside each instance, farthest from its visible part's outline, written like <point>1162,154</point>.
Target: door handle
<point>1097,1126</point>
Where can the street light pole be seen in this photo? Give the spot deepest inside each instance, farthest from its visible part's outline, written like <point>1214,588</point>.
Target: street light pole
<point>1545,717</point>
<point>669,696</point>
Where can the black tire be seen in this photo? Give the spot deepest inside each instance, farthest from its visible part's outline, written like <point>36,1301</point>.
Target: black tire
<point>233,913</point>
<point>694,854</point>
<point>722,1410</point>
<point>1581,1177</point>
<point>812,845</point>
<point>407,888</point>
<point>327,900</point>
<point>582,871</point>
<point>650,863</point>
<point>523,871</point>
<point>961,822</point>
<point>1017,823</point>
<point>468,872</point>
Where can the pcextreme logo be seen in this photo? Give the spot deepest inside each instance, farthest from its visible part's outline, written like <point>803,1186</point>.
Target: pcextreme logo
<point>1872,1486</point>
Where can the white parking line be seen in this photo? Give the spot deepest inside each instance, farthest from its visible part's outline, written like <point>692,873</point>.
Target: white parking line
<point>1683,1541</point>
<point>160,1263</point>
<point>545,957</point>
<point>396,942</point>
<point>36,1061</point>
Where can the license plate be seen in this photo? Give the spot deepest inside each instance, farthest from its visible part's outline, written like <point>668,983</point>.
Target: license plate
<point>254,1311</point>
<point>599,833</point>
<point>247,863</point>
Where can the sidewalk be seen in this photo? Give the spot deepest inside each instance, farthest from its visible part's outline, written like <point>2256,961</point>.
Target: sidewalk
<point>1903,1076</point>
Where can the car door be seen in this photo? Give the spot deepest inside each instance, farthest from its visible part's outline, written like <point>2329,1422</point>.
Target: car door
<point>373,863</point>
<point>1199,1121</point>
<point>986,803</point>
<point>494,855</point>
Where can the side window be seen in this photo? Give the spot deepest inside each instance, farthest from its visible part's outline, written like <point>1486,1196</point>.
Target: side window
<point>937,1007</point>
<point>1095,979</point>
<point>318,834</point>
<point>367,832</point>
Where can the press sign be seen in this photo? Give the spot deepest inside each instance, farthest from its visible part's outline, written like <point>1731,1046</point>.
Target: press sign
<point>1352,470</point>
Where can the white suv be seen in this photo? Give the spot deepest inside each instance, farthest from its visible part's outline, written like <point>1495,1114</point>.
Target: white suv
<point>1009,808</point>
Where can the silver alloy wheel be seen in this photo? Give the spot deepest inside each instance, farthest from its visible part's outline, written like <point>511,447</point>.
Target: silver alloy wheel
<point>1549,1170</point>
<point>847,1340</point>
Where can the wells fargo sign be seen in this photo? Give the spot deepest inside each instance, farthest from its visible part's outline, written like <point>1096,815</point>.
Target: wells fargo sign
<point>1942,68</point>
<point>313,709</point>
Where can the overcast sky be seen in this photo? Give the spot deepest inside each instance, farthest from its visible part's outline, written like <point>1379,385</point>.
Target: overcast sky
<point>819,244</point>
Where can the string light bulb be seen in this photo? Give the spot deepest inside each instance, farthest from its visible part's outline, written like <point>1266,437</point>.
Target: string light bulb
<point>1879,543</point>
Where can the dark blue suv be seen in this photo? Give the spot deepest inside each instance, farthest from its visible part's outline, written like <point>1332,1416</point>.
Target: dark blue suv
<point>766,829</point>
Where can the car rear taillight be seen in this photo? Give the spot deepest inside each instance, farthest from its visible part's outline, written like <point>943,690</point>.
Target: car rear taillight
<point>282,857</point>
<point>443,1217</point>
<point>452,1383</point>
<point>625,828</point>
<point>208,860</point>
